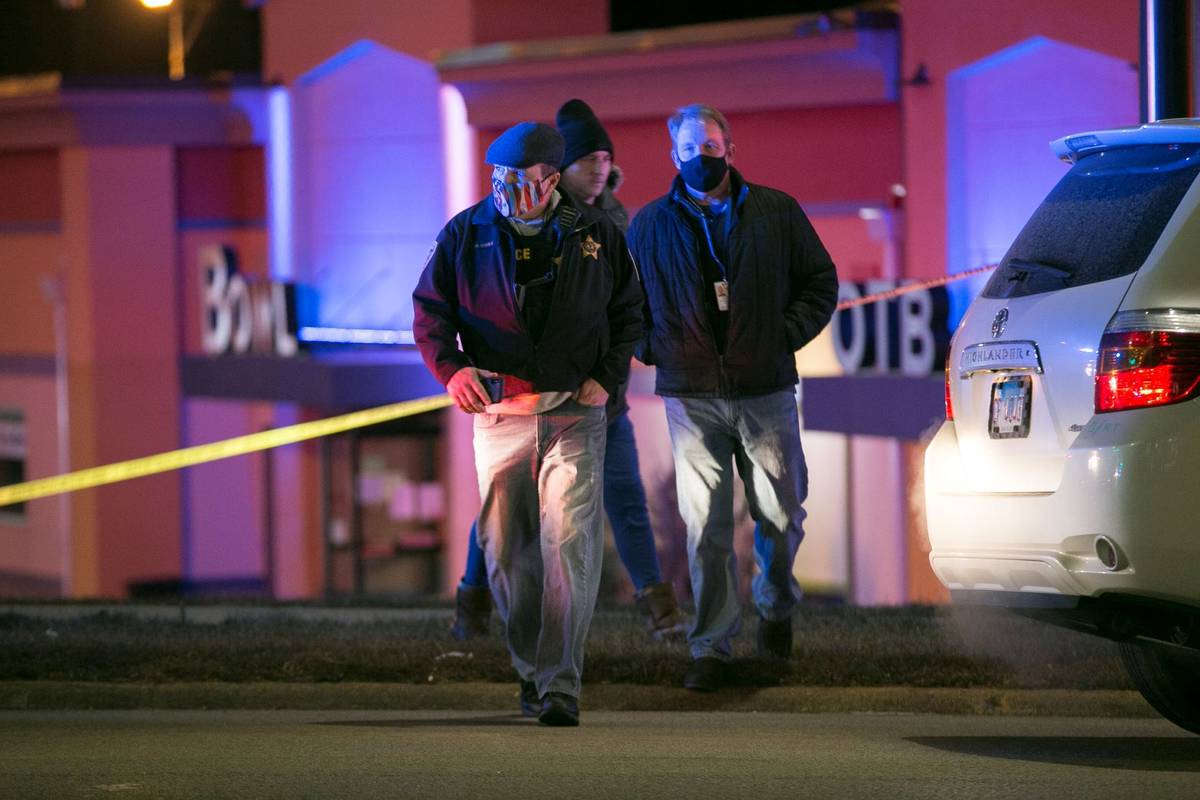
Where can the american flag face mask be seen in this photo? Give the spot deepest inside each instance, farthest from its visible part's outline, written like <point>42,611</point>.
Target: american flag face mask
<point>513,193</point>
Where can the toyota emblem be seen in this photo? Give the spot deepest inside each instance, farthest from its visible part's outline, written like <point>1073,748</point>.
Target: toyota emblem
<point>1000,322</point>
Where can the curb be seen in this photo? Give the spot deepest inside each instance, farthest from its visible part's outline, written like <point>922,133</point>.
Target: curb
<point>64,695</point>
<point>199,614</point>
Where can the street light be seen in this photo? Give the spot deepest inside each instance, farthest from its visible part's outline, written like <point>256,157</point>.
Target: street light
<point>175,45</point>
<point>180,37</point>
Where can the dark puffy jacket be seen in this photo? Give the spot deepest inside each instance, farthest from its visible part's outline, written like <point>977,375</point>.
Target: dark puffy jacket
<point>782,292</point>
<point>611,207</point>
<point>466,290</point>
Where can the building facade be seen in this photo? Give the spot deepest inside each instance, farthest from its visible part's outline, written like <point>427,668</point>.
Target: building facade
<point>163,250</point>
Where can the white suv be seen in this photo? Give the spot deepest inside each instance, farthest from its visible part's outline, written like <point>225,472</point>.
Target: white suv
<point>1065,481</point>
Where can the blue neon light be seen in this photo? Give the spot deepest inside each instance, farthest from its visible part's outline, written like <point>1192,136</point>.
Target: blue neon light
<point>280,184</point>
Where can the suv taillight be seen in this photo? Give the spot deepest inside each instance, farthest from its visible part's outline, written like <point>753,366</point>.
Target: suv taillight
<point>1148,358</point>
<point>949,402</point>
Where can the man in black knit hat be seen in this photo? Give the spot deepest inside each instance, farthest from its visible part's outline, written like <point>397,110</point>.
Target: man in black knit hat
<point>590,175</point>
<point>587,168</point>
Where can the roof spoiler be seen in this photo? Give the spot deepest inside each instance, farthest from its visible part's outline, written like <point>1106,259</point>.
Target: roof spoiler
<point>1168,131</point>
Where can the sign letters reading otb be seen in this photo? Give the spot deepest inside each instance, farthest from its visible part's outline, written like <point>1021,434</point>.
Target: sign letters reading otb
<point>907,334</point>
<point>243,316</point>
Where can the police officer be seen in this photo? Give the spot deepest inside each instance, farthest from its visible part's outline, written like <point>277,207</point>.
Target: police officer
<point>542,294</point>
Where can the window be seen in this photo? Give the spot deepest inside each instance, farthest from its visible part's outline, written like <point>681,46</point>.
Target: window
<point>12,458</point>
<point>1099,222</point>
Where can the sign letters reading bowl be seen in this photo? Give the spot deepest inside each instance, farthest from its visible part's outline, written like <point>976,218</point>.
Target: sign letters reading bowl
<point>995,356</point>
<point>243,316</point>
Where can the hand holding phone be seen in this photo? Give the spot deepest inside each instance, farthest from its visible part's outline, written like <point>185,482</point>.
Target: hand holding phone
<point>494,386</point>
<point>468,389</point>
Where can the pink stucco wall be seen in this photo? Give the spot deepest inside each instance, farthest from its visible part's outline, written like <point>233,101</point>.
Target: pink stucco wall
<point>119,247</point>
<point>946,36</point>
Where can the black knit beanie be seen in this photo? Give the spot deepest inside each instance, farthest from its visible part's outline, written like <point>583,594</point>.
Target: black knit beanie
<point>582,131</point>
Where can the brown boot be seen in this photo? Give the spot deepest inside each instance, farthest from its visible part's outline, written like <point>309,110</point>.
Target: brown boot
<point>661,613</point>
<point>472,612</point>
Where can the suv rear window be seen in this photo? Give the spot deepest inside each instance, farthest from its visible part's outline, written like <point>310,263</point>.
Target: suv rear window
<point>1099,222</point>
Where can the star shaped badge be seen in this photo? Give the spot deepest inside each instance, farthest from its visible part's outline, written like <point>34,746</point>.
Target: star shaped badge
<point>590,248</point>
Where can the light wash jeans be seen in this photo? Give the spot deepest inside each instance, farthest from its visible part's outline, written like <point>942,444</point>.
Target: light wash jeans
<point>625,504</point>
<point>541,533</point>
<point>761,437</point>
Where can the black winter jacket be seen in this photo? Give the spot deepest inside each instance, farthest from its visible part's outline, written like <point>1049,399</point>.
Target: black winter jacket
<point>611,207</point>
<point>466,290</point>
<point>782,292</point>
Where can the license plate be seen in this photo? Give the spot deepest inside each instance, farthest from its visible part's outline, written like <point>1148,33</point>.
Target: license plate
<point>999,356</point>
<point>1009,418</point>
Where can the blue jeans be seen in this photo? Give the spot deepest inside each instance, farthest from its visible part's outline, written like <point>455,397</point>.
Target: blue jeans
<point>625,504</point>
<point>760,436</point>
<point>540,529</point>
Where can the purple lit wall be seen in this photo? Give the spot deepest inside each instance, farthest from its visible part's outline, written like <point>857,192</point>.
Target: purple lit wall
<point>370,185</point>
<point>1001,112</point>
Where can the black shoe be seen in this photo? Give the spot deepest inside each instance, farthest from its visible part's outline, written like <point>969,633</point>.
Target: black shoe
<point>472,612</point>
<point>531,705</point>
<point>705,674</point>
<point>559,710</point>
<point>775,638</point>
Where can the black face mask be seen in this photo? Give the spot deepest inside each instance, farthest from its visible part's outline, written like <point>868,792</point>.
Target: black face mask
<point>704,173</point>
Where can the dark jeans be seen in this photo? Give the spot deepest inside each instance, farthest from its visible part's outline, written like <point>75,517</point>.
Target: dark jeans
<point>624,503</point>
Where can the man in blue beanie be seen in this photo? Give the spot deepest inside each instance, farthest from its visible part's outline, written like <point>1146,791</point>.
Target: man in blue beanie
<point>528,310</point>
<point>587,175</point>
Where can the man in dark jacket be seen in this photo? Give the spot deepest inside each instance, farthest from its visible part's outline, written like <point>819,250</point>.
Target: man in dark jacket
<point>543,297</point>
<point>736,281</point>
<point>587,175</point>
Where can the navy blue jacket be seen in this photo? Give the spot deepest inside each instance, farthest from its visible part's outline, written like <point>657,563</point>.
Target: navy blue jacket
<point>782,292</point>
<point>466,291</point>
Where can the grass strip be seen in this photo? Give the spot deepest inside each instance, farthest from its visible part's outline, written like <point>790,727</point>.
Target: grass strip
<point>836,646</point>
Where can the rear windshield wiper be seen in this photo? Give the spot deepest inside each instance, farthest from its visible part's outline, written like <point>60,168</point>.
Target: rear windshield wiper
<point>1021,268</point>
<point>1024,276</point>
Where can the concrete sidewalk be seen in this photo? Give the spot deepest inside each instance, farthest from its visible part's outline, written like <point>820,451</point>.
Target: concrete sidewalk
<point>49,695</point>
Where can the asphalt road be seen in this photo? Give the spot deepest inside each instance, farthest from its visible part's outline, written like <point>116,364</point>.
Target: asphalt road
<point>451,754</point>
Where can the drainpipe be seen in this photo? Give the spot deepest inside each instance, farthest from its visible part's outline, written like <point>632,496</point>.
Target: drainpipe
<point>54,288</point>
<point>1165,74</point>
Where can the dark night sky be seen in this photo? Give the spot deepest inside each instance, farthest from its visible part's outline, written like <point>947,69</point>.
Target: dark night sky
<point>115,37</point>
<point>632,15</point>
<point>112,37</point>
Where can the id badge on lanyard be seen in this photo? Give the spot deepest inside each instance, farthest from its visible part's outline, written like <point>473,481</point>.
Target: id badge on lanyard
<point>721,288</point>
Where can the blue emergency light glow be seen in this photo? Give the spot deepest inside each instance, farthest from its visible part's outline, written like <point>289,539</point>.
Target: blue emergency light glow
<point>321,335</point>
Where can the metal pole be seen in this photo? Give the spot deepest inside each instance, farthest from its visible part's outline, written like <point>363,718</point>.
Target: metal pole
<point>326,456</point>
<point>268,479</point>
<point>54,288</point>
<point>356,526</point>
<point>175,44</point>
<point>1165,75</point>
<point>851,553</point>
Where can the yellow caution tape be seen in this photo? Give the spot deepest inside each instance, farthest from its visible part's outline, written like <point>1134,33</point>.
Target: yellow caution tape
<point>240,445</point>
<point>201,454</point>
<point>908,288</point>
